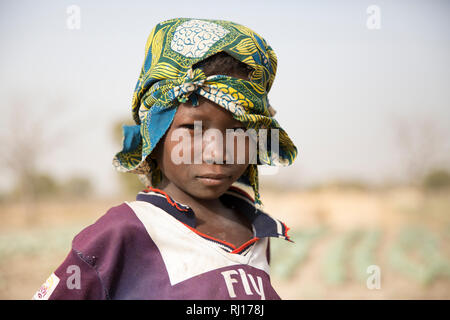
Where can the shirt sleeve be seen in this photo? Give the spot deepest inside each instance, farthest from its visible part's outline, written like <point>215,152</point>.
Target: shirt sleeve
<point>94,268</point>
<point>75,279</point>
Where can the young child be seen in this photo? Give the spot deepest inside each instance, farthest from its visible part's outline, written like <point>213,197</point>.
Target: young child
<point>195,232</point>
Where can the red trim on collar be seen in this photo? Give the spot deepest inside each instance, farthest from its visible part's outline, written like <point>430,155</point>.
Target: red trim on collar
<point>210,237</point>
<point>245,245</point>
<point>235,251</point>
<point>286,229</point>
<point>239,190</point>
<point>173,203</point>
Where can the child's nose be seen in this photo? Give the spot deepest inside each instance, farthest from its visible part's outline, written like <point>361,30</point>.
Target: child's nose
<point>214,148</point>
<point>220,148</point>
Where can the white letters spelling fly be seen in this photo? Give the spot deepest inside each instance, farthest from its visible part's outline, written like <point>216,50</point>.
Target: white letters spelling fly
<point>231,278</point>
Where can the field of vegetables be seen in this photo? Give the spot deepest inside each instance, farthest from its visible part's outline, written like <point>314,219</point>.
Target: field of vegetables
<point>346,244</point>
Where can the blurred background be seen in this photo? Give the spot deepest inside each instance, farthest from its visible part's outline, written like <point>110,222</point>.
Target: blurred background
<point>362,88</point>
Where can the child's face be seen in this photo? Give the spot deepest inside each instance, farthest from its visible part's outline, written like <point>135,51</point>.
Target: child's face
<point>205,179</point>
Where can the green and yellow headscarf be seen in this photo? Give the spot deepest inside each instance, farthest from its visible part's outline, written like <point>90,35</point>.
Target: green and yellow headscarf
<point>167,79</point>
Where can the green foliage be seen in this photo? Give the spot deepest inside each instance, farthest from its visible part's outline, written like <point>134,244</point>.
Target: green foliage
<point>334,267</point>
<point>342,184</point>
<point>37,241</point>
<point>43,185</point>
<point>416,254</point>
<point>436,179</point>
<point>287,258</point>
<point>364,253</point>
<point>77,186</point>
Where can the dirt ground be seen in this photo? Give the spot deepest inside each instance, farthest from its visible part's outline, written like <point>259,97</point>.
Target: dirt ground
<point>338,234</point>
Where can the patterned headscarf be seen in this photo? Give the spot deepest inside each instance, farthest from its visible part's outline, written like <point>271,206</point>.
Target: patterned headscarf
<point>167,79</point>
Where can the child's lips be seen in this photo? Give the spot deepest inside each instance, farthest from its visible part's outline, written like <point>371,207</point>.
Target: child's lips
<point>213,179</point>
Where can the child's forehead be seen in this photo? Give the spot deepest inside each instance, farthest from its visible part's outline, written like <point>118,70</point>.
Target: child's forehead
<point>205,109</point>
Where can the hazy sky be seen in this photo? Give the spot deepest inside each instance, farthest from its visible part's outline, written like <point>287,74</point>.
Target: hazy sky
<point>338,87</point>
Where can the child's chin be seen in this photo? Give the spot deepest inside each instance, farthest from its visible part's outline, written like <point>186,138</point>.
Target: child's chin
<point>209,193</point>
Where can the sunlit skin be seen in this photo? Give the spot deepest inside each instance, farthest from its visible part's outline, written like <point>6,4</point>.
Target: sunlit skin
<point>187,183</point>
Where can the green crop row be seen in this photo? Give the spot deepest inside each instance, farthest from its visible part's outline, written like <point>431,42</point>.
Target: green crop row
<point>289,257</point>
<point>416,254</point>
<point>36,241</point>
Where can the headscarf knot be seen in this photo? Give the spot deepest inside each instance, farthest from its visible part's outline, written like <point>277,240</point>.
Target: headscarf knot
<point>193,80</point>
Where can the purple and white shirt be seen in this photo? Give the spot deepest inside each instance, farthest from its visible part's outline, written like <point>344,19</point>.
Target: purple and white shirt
<point>150,249</point>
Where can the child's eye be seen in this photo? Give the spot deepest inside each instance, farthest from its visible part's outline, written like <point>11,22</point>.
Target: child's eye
<point>189,126</point>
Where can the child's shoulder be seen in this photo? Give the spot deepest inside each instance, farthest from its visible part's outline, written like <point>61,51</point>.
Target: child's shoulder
<point>115,228</point>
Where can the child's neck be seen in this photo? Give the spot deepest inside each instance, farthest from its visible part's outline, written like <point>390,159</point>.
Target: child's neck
<point>197,204</point>
<point>212,216</point>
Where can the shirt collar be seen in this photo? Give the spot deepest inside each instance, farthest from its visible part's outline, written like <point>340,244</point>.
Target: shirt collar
<point>263,224</point>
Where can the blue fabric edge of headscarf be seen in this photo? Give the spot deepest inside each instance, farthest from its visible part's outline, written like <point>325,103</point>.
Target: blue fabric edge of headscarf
<point>131,137</point>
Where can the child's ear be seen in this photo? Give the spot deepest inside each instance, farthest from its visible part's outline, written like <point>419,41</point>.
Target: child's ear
<point>155,152</point>
<point>155,155</point>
